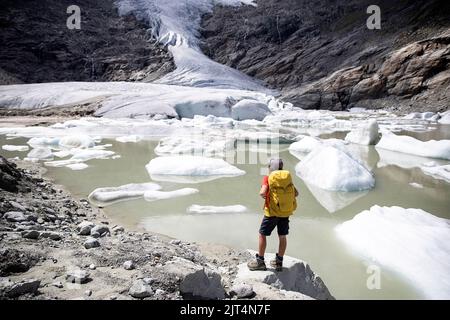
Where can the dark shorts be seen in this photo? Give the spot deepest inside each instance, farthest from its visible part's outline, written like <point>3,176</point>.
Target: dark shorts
<point>269,223</point>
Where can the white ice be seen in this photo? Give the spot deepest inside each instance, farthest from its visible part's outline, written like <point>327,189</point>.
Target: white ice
<point>429,116</point>
<point>332,169</point>
<point>433,148</point>
<point>154,195</point>
<point>195,208</point>
<point>206,146</point>
<point>191,166</point>
<point>416,185</point>
<point>105,196</point>
<point>77,166</point>
<point>365,134</point>
<point>9,147</point>
<point>437,172</point>
<point>445,118</point>
<point>411,242</point>
<point>129,138</point>
<point>81,155</point>
<point>40,153</point>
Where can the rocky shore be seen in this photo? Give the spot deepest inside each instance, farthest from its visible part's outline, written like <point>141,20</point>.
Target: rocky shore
<point>54,246</point>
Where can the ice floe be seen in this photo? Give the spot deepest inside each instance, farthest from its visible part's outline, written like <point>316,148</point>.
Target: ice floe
<point>206,145</point>
<point>40,153</point>
<point>433,148</point>
<point>191,166</point>
<point>437,172</point>
<point>445,118</point>
<point>105,196</point>
<point>9,147</point>
<point>411,242</point>
<point>153,195</point>
<point>416,185</point>
<point>77,166</point>
<point>332,169</point>
<point>76,141</point>
<point>429,116</point>
<point>195,208</point>
<point>249,109</point>
<point>129,138</point>
<point>366,134</point>
<point>81,155</point>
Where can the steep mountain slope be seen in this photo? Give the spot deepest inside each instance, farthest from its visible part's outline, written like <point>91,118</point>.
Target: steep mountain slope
<point>321,54</point>
<point>37,46</point>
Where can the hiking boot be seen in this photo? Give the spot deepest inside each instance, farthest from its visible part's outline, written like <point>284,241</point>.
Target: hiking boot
<point>257,265</point>
<point>277,263</point>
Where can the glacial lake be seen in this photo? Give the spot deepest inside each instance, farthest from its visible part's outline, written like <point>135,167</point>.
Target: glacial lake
<point>312,236</point>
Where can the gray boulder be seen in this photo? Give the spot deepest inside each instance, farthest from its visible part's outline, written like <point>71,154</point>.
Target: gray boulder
<point>13,290</point>
<point>31,234</point>
<point>128,265</point>
<point>84,228</point>
<point>51,235</point>
<point>99,231</point>
<point>140,289</point>
<point>77,276</point>
<point>91,243</point>
<point>15,216</point>
<point>196,281</point>
<point>242,290</point>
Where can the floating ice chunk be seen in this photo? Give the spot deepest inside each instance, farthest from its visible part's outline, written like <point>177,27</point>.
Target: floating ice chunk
<point>438,172</point>
<point>305,145</point>
<point>434,149</point>
<point>334,201</point>
<point>9,147</point>
<point>216,209</point>
<point>43,142</point>
<point>81,155</point>
<point>191,145</point>
<point>41,153</point>
<point>185,179</point>
<point>130,138</point>
<point>105,196</point>
<point>77,166</point>
<point>402,160</point>
<point>366,134</point>
<point>332,169</point>
<point>62,153</point>
<point>416,185</point>
<point>249,109</point>
<point>429,116</point>
<point>154,195</point>
<point>445,118</point>
<point>80,141</point>
<point>191,166</point>
<point>412,242</point>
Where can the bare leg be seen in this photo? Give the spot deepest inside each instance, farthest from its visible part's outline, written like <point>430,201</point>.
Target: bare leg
<point>282,246</point>
<point>262,245</point>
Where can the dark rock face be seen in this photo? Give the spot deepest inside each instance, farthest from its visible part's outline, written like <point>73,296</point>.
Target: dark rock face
<point>37,46</point>
<point>15,261</point>
<point>321,55</point>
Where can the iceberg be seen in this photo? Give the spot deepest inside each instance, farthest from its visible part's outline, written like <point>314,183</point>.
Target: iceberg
<point>433,149</point>
<point>129,138</point>
<point>216,209</point>
<point>40,153</point>
<point>9,147</point>
<point>249,109</point>
<point>366,134</point>
<point>81,155</point>
<point>411,242</point>
<point>206,145</point>
<point>106,196</point>
<point>80,141</point>
<point>332,169</point>
<point>429,116</point>
<point>77,166</point>
<point>437,172</point>
<point>445,118</point>
<point>191,166</point>
<point>153,195</point>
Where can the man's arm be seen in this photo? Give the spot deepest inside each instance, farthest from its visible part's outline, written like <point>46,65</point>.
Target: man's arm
<point>263,191</point>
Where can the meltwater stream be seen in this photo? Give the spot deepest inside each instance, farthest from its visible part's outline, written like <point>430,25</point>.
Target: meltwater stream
<point>312,236</point>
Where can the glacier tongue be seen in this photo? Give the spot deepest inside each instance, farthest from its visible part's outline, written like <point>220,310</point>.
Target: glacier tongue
<point>176,24</point>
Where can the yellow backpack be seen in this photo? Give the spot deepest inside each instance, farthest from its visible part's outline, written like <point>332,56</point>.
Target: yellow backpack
<point>282,202</point>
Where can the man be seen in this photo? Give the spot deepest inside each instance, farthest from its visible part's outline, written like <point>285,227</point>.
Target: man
<point>279,194</point>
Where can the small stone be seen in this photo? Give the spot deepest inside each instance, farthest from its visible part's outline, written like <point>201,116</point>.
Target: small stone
<point>88,293</point>
<point>117,229</point>
<point>91,243</point>
<point>40,221</point>
<point>85,227</point>
<point>175,242</point>
<point>32,234</point>
<point>14,216</point>
<point>58,284</point>
<point>242,290</point>
<point>51,235</point>
<point>77,276</point>
<point>99,231</point>
<point>113,298</point>
<point>128,265</point>
<point>148,280</point>
<point>92,266</point>
<point>17,206</point>
<point>140,290</point>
